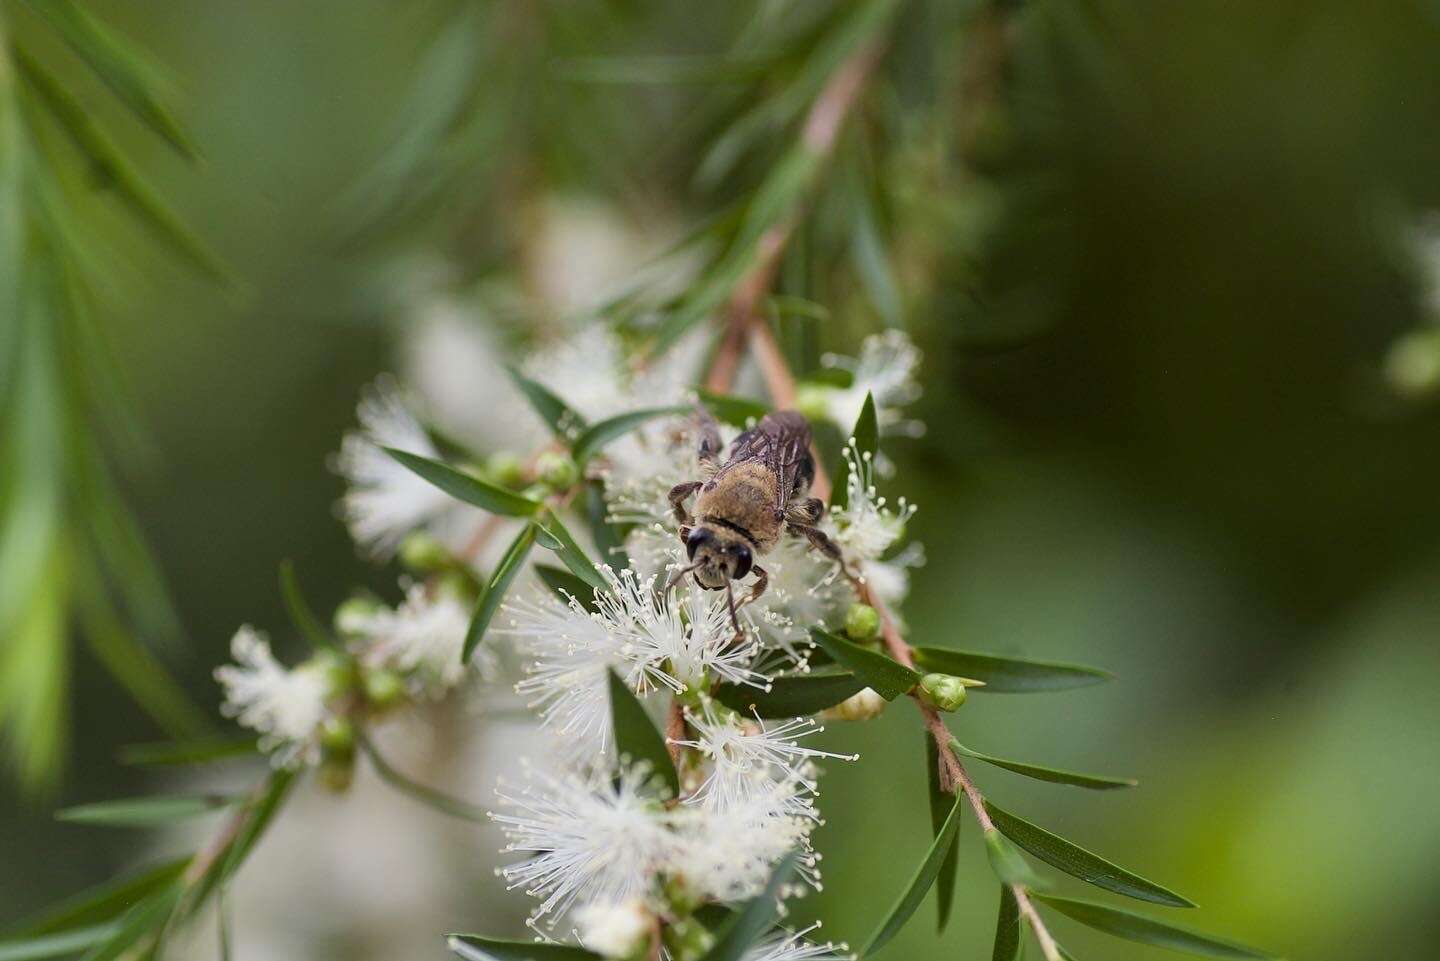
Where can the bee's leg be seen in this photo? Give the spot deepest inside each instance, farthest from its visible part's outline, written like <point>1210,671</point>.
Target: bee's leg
<point>806,512</point>
<point>709,453</point>
<point>820,541</point>
<point>734,617</point>
<point>762,581</point>
<point>677,495</point>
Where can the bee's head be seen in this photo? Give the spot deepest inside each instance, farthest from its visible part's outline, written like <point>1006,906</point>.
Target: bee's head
<point>718,556</point>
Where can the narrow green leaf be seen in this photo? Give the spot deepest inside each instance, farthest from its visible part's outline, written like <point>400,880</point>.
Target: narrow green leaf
<point>609,538</point>
<point>596,436</point>
<point>254,820</point>
<point>438,800</point>
<point>139,922</point>
<point>474,948</point>
<point>636,736</point>
<point>1127,924</point>
<point>562,582</point>
<point>735,411</point>
<point>555,536</point>
<point>176,753</point>
<point>1053,775</point>
<point>940,849</point>
<point>113,171</point>
<point>886,677</point>
<point>562,419</point>
<point>1080,863</point>
<point>144,811</point>
<point>301,614</point>
<point>1007,927</point>
<point>754,919</point>
<point>59,945</point>
<point>939,807</point>
<point>120,65</point>
<point>795,696</point>
<point>864,444</point>
<point>464,487</point>
<point>1009,675</point>
<point>1007,863</point>
<point>495,589</point>
<point>106,902</point>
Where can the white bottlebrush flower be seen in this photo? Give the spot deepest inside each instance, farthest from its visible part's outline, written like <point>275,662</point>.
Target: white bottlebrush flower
<point>566,651</point>
<point>615,930</point>
<point>729,853</point>
<point>890,578</point>
<point>886,370</point>
<point>586,369</point>
<point>595,838</point>
<point>746,757</point>
<point>782,945</point>
<point>805,591</point>
<point>285,706</point>
<point>422,638</point>
<point>867,526</point>
<point>386,500</point>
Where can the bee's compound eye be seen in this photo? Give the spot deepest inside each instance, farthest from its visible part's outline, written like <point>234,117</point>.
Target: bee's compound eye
<point>698,536</point>
<point>743,561</point>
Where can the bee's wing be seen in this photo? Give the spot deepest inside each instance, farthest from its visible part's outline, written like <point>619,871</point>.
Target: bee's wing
<point>781,441</point>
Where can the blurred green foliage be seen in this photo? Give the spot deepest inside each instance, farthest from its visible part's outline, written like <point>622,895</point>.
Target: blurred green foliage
<point>1154,276</point>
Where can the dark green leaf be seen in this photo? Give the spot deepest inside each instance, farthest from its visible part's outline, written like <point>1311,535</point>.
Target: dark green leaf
<point>1007,863</point>
<point>474,948</point>
<point>1080,863</point>
<point>464,487</point>
<point>940,849</point>
<point>1144,930</point>
<point>119,64</point>
<point>173,753</point>
<point>636,736</point>
<point>886,677</point>
<point>110,168</point>
<point>106,902</point>
<point>1007,927</point>
<point>139,922</point>
<point>1009,675</point>
<point>563,420</point>
<point>596,436</point>
<point>63,944</point>
<point>144,811</point>
<point>736,411</point>
<point>495,589</point>
<point>562,582</point>
<point>865,447</point>
<point>794,696</point>
<point>939,808</point>
<point>557,537</point>
<point>752,920</point>
<point>609,538</point>
<point>301,615</point>
<point>438,800</point>
<point>1053,775</point>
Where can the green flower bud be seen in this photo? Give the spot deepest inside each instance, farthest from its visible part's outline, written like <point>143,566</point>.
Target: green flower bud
<point>505,468</point>
<point>337,736</point>
<point>557,471</point>
<point>944,692</point>
<point>383,688</point>
<point>459,584</point>
<point>813,400</point>
<point>1412,367</point>
<point>422,553</point>
<point>354,613</point>
<point>338,669</point>
<point>862,623</point>
<point>860,706</point>
<point>336,773</point>
<point>688,940</point>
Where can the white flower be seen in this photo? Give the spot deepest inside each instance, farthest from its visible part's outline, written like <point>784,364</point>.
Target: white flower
<point>885,369</point>
<point>890,579</point>
<point>285,706</point>
<point>866,527</point>
<point>567,651</point>
<point>782,945</point>
<point>805,591</point>
<point>386,500</point>
<point>591,838</point>
<point>729,853</point>
<point>423,637</point>
<point>747,757</point>
<point>863,705</point>
<point>615,930</point>
<point>585,369</point>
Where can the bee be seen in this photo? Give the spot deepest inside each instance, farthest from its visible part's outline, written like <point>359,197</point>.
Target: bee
<point>744,505</point>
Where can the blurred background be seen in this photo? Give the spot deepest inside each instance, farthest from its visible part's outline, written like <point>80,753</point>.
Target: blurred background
<point>1172,272</point>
